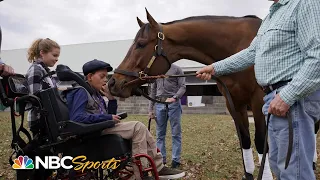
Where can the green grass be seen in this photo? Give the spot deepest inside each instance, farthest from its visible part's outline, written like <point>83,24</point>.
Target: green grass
<point>210,147</point>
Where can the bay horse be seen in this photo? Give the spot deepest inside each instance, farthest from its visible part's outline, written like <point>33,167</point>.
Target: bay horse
<point>205,39</point>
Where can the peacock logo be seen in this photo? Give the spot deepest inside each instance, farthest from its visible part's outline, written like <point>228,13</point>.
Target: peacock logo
<point>23,162</point>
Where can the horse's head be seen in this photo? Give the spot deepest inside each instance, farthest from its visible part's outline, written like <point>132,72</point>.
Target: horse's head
<point>148,55</point>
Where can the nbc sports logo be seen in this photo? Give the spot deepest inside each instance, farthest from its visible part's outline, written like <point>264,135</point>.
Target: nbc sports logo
<point>55,162</point>
<point>23,162</point>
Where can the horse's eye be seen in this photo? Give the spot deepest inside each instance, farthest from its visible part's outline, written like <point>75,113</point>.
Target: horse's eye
<point>140,45</point>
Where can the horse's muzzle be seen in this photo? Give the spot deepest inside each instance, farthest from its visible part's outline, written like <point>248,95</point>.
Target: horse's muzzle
<point>118,89</point>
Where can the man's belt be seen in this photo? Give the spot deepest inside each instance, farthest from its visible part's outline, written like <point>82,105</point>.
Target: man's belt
<point>272,87</point>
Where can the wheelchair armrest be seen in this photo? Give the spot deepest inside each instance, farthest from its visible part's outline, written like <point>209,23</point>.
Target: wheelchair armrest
<point>75,128</point>
<point>34,100</point>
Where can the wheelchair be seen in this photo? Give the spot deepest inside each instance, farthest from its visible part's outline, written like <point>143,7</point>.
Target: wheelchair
<point>56,135</point>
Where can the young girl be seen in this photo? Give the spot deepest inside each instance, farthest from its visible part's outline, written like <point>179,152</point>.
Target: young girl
<point>43,53</point>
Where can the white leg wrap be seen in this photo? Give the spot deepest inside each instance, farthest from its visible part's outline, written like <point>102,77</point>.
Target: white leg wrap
<point>260,157</point>
<point>248,160</point>
<point>267,175</point>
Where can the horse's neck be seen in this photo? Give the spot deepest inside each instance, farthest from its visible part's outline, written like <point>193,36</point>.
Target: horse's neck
<point>204,42</point>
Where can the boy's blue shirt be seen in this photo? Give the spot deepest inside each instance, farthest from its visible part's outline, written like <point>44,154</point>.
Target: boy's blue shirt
<point>77,100</point>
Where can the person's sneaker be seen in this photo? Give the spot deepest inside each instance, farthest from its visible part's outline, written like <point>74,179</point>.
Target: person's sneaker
<point>168,173</point>
<point>175,164</point>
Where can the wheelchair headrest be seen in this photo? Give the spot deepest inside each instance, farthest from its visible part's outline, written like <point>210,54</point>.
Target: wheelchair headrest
<point>64,73</point>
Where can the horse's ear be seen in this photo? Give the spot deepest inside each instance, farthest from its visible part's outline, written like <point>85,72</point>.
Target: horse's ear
<point>140,22</point>
<point>152,22</point>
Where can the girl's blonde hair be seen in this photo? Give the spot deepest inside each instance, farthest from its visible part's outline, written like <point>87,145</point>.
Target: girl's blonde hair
<point>45,45</point>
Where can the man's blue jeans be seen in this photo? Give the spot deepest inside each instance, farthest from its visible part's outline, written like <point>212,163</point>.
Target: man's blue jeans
<point>174,115</point>
<point>304,114</point>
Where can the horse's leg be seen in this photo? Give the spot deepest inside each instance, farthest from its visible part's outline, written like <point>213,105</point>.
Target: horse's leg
<point>240,101</point>
<point>246,142</point>
<point>315,156</point>
<point>260,127</point>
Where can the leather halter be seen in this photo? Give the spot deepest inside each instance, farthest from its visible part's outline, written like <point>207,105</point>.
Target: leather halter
<point>158,51</point>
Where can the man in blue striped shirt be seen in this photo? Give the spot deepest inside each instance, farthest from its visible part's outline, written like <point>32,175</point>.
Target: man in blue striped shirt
<point>285,54</point>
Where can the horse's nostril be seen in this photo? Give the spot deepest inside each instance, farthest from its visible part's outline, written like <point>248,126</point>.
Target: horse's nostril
<point>123,83</point>
<point>111,82</point>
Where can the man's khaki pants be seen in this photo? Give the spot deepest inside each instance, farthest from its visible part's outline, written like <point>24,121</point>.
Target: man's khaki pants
<point>142,141</point>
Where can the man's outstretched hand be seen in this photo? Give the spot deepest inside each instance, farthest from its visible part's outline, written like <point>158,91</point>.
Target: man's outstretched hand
<point>205,73</point>
<point>6,70</point>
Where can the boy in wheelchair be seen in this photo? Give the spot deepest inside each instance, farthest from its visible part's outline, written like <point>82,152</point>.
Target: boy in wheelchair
<point>86,108</point>
<point>54,133</point>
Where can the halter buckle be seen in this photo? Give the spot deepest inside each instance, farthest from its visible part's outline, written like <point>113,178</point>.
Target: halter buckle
<point>156,48</point>
<point>161,36</point>
<point>142,75</point>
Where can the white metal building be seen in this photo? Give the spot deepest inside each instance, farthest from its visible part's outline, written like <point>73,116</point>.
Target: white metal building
<point>113,52</point>
<point>76,55</point>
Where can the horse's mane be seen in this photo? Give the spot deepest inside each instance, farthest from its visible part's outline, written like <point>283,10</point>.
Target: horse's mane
<point>209,18</point>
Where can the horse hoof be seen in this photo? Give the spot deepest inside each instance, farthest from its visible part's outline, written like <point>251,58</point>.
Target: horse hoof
<point>247,176</point>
